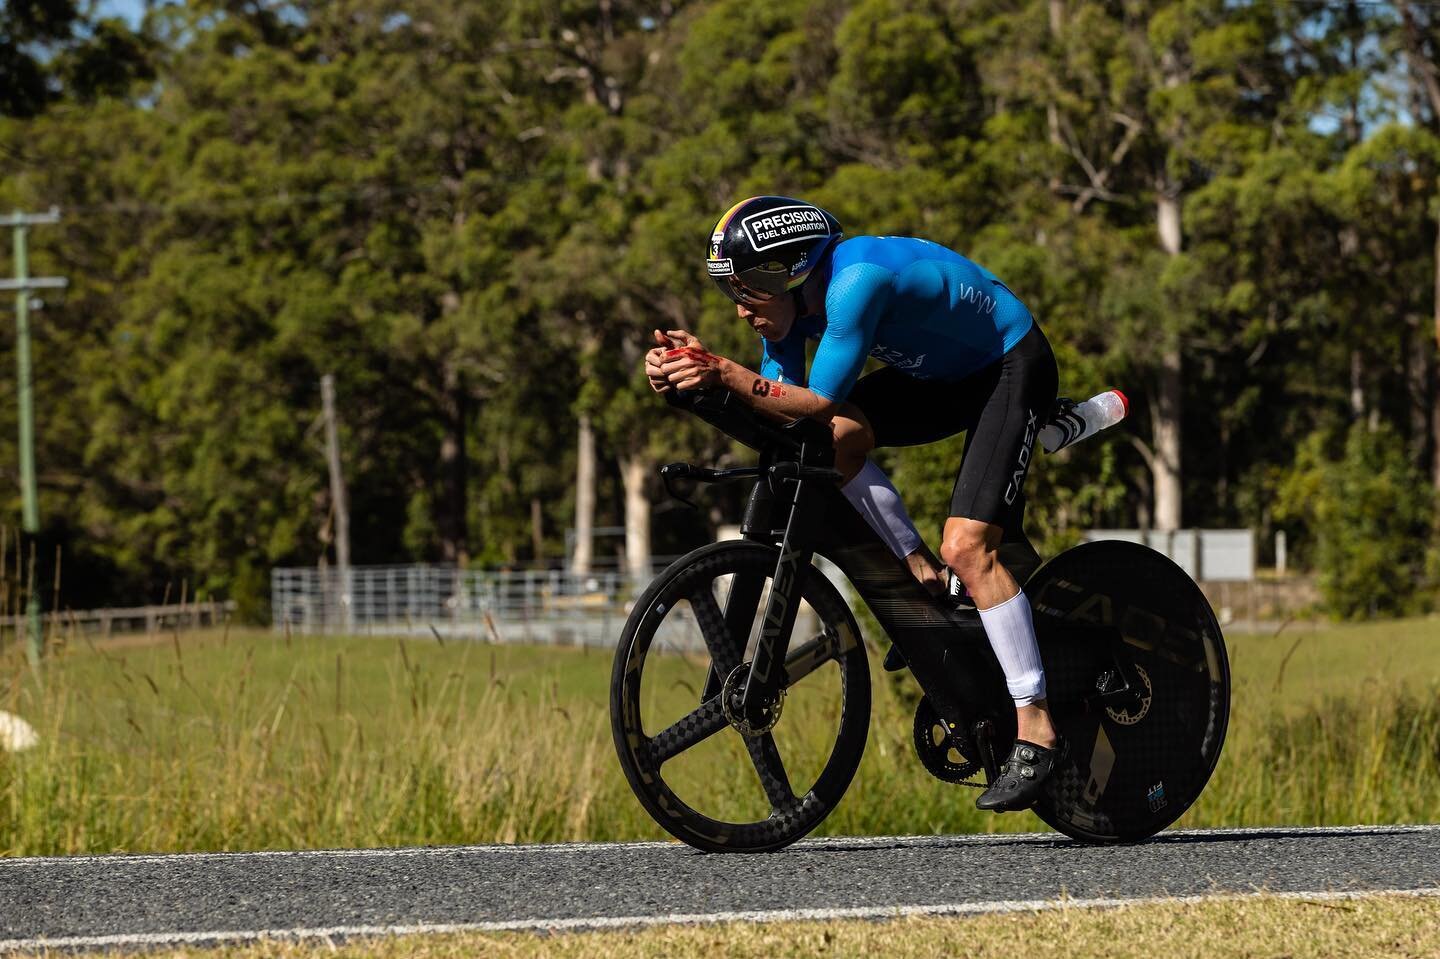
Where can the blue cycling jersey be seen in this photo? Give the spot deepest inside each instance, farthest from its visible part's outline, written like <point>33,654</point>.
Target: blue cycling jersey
<point>910,303</point>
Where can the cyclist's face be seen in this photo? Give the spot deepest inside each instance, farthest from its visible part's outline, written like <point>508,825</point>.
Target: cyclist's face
<point>771,319</point>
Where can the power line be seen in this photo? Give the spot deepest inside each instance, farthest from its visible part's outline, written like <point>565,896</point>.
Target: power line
<point>23,283</point>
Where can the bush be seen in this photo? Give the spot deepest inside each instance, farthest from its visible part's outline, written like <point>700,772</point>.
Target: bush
<point>1368,512</point>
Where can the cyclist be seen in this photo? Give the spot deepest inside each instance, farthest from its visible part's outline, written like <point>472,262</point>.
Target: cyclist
<point>962,353</point>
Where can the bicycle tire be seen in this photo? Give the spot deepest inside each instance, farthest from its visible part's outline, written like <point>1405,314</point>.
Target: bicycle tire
<point>644,753</point>
<point>1132,770</point>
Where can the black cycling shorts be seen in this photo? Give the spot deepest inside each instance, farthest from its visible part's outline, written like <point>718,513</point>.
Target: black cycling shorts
<point>1001,407</point>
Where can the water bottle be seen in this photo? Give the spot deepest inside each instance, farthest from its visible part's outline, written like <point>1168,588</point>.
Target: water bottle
<point>1073,422</point>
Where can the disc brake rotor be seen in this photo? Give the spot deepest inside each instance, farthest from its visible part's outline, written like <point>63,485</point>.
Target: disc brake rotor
<point>730,704</point>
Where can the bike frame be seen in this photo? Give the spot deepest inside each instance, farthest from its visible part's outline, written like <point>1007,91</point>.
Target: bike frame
<point>796,504</point>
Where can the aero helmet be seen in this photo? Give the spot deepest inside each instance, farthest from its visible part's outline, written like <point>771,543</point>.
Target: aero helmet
<point>766,245</point>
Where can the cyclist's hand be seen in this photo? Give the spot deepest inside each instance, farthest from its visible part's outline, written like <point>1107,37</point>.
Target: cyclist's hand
<point>691,367</point>
<point>653,360</point>
<point>684,338</point>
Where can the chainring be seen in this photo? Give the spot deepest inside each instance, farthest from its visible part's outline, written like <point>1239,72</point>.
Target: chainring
<point>937,751</point>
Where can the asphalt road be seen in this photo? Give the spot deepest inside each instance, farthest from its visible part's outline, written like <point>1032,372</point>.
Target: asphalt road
<point>139,900</point>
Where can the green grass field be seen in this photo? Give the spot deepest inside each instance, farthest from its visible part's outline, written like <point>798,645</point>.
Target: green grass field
<point>252,740</point>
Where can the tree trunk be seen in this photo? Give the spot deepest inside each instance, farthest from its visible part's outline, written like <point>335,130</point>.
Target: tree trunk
<point>537,529</point>
<point>584,552</point>
<point>1052,109</point>
<point>1424,75</point>
<point>1166,434</point>
<point>635,471</point>
<point>1418,352</point>
<point>1357,386</point>
<point>1435,381</point>
<point>454,473</point>
<point>1170,387</point>
<point>1435,430</point>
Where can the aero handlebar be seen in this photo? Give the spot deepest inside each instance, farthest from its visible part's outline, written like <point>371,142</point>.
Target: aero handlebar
<point>722,410</point>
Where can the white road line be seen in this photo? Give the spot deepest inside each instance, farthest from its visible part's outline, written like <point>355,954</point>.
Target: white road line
<point>619,922</point>
<point>582,847</point>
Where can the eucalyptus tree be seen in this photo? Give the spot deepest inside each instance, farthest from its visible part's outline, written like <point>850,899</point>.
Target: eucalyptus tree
<point>1144,103</point>
<point>53,51</point>
<point>315,220</point>
<point>1418,38</point>
<point>596,62</point>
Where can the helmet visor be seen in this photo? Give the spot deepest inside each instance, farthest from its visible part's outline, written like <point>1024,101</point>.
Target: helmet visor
<point>753,286</point>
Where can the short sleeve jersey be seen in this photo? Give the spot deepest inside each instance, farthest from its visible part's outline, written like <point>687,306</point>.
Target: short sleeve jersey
<point>910,303</point>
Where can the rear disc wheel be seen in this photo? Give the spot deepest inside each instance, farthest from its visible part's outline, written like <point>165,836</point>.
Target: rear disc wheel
<point>1137,761</point>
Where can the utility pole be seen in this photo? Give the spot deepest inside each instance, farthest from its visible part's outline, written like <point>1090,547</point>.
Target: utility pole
<point>338,499</point>
<point>22,285</point>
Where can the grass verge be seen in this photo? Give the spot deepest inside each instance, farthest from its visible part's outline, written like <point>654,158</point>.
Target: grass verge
<point>1394,927</point>
<point>248,741</point>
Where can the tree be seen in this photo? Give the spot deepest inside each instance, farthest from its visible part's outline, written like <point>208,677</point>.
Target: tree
<point>50,51</point>
<point>1370,511</point>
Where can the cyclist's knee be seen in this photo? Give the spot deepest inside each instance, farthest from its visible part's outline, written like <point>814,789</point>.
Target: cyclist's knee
<point>969,549</point>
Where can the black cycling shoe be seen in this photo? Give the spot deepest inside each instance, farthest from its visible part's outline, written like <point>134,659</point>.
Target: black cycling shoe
<point>1022,777</point>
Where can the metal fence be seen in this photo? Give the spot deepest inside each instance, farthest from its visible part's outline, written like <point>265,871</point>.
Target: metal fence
<point>562,608</point>
<point>530,606</point>
<point>522,606</point>
<point>1206,555</point>
<point>131,619</point>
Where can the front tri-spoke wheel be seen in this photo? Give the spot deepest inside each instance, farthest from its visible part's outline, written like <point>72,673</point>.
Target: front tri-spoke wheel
<point>705,773</point>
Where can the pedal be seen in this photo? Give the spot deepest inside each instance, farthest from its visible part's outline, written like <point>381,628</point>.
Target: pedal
<point>956,594</point>
<point>895,660</point>
<point>983,736</point>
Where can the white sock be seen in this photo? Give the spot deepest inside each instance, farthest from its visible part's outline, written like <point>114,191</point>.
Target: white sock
<point>872,493</point>
<point>1011,632</point>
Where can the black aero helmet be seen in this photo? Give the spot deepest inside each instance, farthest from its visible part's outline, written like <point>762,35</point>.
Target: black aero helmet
<point>766,245</point>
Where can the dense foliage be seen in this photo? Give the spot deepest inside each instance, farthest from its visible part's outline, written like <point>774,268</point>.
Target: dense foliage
<point>1368,519</point>
<point>471,214</point>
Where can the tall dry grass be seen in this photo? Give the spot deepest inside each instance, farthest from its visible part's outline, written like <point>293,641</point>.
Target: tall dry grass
<point>252,741</point>
<point>367,744</point>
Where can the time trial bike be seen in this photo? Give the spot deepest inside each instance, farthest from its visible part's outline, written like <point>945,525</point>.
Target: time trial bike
<point>740,696</point>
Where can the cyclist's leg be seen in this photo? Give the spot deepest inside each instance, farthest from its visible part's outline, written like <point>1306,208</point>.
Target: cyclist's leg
<point>854,439</point>
<point>987,505</point>
<point>890,408</point>
<point>987,501</point>
<point>1017,553</point>
<point>872,494</point>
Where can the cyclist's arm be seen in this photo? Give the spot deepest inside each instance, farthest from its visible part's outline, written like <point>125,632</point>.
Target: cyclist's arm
<point>774,391</point>
<point>782,371</point>
<point>772,397</point>
<point>857,297</point>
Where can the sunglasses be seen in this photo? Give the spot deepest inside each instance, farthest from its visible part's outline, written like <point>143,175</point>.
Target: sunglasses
<point>734,285</point>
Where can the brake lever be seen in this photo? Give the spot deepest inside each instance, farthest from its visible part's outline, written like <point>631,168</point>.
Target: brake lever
<point>794,471</point>
<point>669,473</point>
<point>676,471</point>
